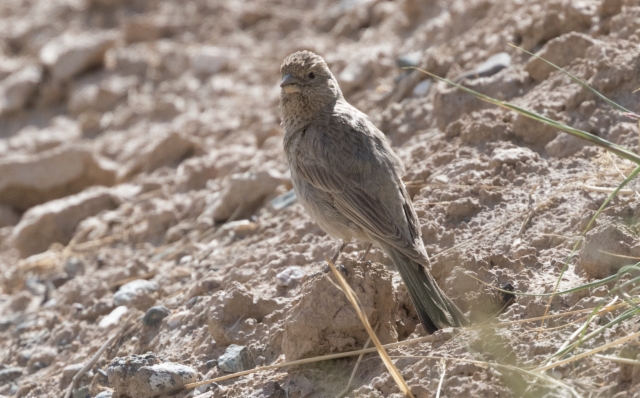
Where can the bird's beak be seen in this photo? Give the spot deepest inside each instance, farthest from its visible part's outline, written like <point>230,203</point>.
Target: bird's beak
<point>290,84</point>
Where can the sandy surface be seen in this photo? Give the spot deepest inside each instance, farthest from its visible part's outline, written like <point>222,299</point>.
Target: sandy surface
<point>141,140</point>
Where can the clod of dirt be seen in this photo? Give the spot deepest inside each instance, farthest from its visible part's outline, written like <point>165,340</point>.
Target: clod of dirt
<point>145,376</point>
<point>605,248</point>
<point>324,320</point>
<point>560,51</point>
<point>233,313</point>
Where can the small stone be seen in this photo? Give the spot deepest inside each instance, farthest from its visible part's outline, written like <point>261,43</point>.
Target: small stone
<point>9,375</point>
<point>113,318</point>
<point>243,193</point>
<point>511,156</point>
<point>155,315</point>
<point>26,180</point>
<point>143,376</point>
<point>82,392</point>
<point>235,359</point>
<point>290,276</point>
<point>74,266</point>
<point>209,60</point>
<point>284,200</point>
<point>175,320</point>
<point>565,145</point>
<point>57,220</point>
<point>140,294</point>
<point>105,394</point>
<point>490,67</point>
<point>70,55</point>
<point>421,89</point>
<point>409,60</point>
<point>67,374</point>
<point>17,90</point>
<point>211,363</point>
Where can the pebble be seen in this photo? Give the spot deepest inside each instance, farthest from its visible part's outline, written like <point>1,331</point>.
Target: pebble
<point>74,266</point>
<point>143,376</point>
<point>67,374</point>
<point>155,315</point>
<point>235,359</point>
<point>140,294</point>
<point>290,276</point>
<point>211,363</point>
<point>409,60</point>
<point>82,392</point>
<point>285,200</point>
<point>113,318</point>
<point>175,320</point>
<point>490,67</point>
<point>105,394</point>
<point>421,89</point>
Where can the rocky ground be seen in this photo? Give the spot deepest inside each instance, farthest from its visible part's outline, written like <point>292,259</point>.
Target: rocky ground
<point>144,194</point>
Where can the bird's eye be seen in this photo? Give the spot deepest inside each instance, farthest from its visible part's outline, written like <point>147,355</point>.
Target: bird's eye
<point>312,75</point>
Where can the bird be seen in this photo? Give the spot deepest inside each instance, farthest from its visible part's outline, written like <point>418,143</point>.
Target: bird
<point>349,179</point>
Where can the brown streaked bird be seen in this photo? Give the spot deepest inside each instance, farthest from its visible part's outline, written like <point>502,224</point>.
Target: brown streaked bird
<point>348,178</point>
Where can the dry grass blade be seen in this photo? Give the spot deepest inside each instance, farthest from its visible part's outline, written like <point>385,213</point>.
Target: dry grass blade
<point>443,365</point>
<point>307,360</point>
<point>588,353</point>
<point>351,296</point>
<point>593,188</point>
<point>353,373</point>
<point>625,361</point>
<point>540,376</point>
<point>94,359</point>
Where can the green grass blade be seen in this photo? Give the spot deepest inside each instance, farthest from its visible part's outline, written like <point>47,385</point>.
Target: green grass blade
<point>594,139</point>
<point>582,83</point>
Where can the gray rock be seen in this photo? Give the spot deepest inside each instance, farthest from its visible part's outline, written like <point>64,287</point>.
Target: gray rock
<point>209,60</point>
<point>29,180</point>
<point>17,89</point>
<point>285,200</point>
<point>82,392</point>
<point>113,318</point>
<point>235,359</point>
<point>143,376</point>
<point>490,67</point>
<point>67,374</point>
<point>421,89</point>
<point>243,193</point>
<point>74,266</point>
<point>290,276</point>
<point>69,55</point>
<point>105,394</point>
<point>56,221</point>
<point>140,294</point>
<point>155,315</point>
<point>9,375</point>
<point>409,60</point>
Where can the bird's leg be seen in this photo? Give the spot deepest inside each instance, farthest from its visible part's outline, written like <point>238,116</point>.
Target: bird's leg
<point>337,255</point>
<point>364,256</point>
<point>334,259</point>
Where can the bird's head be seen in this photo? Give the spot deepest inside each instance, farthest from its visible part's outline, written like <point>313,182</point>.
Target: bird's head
<point>307,83</point>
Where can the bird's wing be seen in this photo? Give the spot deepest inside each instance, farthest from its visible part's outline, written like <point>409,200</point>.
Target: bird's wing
<point>362,176</point>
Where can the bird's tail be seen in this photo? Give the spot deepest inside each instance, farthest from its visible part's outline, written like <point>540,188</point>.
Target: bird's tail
<point>435,309</point>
